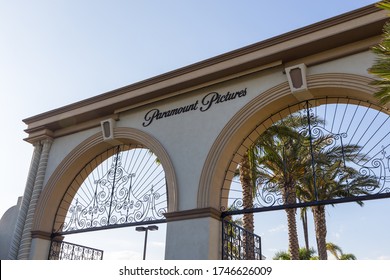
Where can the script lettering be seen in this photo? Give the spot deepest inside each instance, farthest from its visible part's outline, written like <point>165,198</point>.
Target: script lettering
<point>207,102</point>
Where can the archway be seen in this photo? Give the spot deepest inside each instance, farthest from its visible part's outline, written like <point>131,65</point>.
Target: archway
<point>350,132</point>
<point>258,110</point>
<point>261,113</point>
<point>57,197</point>
<point>124,185</point>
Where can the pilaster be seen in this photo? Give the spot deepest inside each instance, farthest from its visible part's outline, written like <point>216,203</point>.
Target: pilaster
<point>25,244</point>
<point>14,248</point>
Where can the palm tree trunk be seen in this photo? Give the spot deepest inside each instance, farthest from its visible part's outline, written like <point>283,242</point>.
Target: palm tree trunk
<point>247,197</point>
<point>293,244</point>
<point>320,229</point>
<point>289,197</point>
<point>305,229</point>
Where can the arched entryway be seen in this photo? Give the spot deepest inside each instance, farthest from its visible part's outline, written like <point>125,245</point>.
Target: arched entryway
<point>60,196</point>
<point>274,105</point>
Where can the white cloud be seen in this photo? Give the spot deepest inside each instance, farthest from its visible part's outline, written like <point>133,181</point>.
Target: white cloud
<point>336,234</point>
<point>279,228</point>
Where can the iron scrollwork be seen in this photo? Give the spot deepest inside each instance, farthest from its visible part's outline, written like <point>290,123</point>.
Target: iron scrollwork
<point>119,196</point>
<point>346,151</point>
<point>61,250</point>
<point>239,244</point>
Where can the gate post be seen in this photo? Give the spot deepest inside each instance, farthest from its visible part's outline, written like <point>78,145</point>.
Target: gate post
<point>193,235</point>
<point>40,245</point>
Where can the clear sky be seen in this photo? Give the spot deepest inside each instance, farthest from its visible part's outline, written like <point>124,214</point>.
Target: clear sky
<point>56,52</point>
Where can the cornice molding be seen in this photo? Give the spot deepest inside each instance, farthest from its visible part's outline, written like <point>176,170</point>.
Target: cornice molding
<point>41,234</point>
<point>207,212</point>
<point>332,33</point>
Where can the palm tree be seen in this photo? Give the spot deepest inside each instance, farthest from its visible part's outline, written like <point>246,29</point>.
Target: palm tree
<point>280,158</point>
<point>338,253</point>
<point>249,174</point>
<point>285,163</point>
<point>246,175</point>
<point>346,257</point>
<point>333,180</point>
<point>280,165</point>
<point>381,67</point>
<point>307,254</point>
<point>281,162</point>
<point>304,254</point>
<point>303,217</point>
<point>334,249</point>
<point>282,255</point>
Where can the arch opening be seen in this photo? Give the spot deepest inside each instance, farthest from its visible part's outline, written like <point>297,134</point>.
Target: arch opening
<point>57,196</point>
<point>340,146</point>
<point>125,185</point>
<point>318,152</point>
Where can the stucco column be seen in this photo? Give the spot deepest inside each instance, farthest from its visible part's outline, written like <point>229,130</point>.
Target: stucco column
<point>25,244</point>
<point>41,244</point>
<point>193,235</point>
<point>14,247</point>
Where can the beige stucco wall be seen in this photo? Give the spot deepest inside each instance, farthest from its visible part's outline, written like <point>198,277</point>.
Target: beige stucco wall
<point>197,146</point>
<point>188,137</point>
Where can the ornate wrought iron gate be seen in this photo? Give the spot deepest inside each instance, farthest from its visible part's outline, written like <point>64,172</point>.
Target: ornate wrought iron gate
<point>238,243</point>
<point>60,250</point>
<point>316,152</point>
<point>124,186</point>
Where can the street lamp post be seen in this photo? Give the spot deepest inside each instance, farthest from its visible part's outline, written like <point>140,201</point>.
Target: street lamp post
<point>146,229</point>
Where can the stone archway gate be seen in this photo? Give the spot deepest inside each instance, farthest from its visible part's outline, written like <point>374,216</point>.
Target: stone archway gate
<point>194,119</point>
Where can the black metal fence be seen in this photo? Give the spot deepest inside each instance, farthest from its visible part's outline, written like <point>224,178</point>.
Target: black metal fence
<point>60,250</point>
<point>238,243</point>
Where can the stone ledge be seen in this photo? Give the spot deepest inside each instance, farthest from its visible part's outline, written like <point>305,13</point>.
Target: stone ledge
<point>208,212</point>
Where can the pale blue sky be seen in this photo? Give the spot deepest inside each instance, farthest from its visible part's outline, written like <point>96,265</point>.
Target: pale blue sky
<point>56,52</point>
